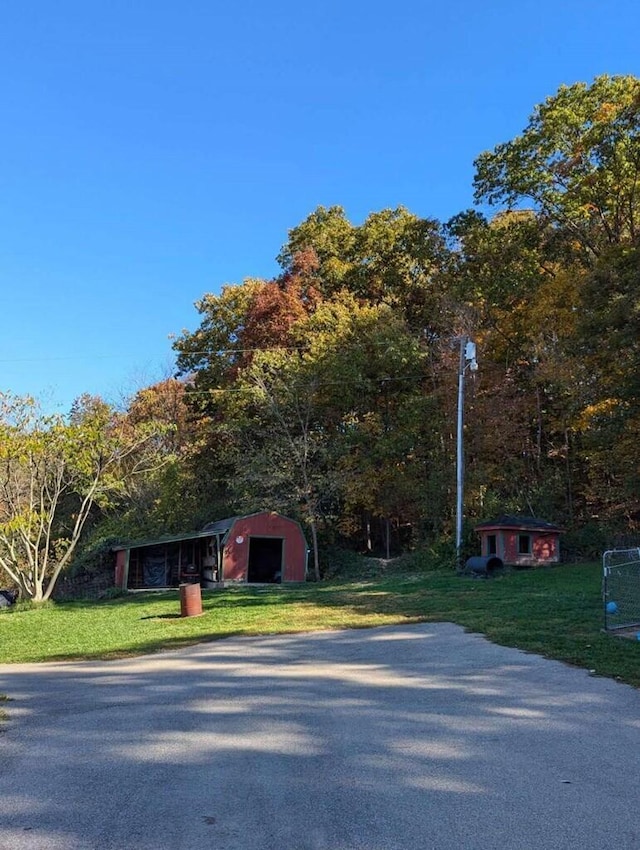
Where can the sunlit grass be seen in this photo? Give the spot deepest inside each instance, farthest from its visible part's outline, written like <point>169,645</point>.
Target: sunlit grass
<point>556,612</point>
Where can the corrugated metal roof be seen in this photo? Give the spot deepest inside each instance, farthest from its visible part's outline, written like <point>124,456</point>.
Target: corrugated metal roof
<point>170,538</point>
<point>529,523</point>
<point>221,525</point>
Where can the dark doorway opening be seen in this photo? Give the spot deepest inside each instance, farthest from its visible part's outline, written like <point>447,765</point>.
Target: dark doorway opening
<point>154,566</point>
<point>265,560</point>
<point>524,544</point>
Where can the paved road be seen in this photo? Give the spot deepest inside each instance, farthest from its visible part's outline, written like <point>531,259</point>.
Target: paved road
<point>385,739</point>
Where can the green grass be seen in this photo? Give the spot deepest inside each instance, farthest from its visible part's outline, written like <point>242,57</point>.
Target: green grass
<point>556,612</point>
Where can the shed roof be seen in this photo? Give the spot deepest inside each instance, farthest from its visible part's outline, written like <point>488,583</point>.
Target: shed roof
<point>219,527</point>
<point>156,541</point>
<point>526,523</point>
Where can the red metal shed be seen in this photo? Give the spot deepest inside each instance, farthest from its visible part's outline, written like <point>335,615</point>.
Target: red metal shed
<point>520,541</point>
<point>255,549</point>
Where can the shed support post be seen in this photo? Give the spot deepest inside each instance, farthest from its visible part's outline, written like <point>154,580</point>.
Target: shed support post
<point>460,454</point>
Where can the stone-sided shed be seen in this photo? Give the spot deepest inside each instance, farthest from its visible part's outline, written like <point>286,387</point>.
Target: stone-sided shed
<point>255,549</point>
<point>520,541</point>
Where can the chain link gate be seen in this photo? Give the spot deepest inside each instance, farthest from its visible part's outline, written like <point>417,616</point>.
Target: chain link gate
<point>621,588</point>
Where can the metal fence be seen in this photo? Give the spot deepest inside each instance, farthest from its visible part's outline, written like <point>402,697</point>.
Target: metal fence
<point>621,588</point>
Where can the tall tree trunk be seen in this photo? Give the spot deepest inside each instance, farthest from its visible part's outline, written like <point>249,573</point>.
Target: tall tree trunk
<point>538,430</point>
<point>387,530</point>
<point>314,543</point>
<point>567,440</point>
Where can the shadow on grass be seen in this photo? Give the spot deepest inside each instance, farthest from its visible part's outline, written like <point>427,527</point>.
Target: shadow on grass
<point>555,612</point>
<point>163,617</point>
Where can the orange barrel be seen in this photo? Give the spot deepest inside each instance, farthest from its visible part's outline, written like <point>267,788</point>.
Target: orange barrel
<point>190,600</point>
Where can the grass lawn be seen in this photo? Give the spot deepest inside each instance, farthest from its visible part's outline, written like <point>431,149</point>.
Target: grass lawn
<point>556,612</point>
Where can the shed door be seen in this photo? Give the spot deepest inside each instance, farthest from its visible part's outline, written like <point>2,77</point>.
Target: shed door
<point>265,559</point>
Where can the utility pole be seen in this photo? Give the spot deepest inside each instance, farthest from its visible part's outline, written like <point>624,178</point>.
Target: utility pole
<point>467,361</point>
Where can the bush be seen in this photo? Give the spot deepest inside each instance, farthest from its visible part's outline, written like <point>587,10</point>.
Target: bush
<point>336,562</point>
<point>440,554</point>
<point>96,556</point>
<point>584,544</point>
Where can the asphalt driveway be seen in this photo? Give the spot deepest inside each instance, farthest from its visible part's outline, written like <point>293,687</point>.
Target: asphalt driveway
<point>394,738</point>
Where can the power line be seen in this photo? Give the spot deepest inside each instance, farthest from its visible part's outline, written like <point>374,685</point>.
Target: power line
<point>202,353</point>
<point>386,379</point>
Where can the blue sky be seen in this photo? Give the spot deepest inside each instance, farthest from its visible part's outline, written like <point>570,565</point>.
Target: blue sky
<point>151,152</point>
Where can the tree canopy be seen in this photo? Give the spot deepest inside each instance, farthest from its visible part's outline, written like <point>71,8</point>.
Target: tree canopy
<point>345,361</point>
<point>53,473</point>
<point>329,391</point>
<point>577,161</point>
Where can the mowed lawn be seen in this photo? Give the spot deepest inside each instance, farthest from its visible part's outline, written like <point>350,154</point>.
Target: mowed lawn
<point>555,611</point>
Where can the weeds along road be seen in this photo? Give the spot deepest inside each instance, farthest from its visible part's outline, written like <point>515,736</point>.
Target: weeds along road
<point>385,739</point>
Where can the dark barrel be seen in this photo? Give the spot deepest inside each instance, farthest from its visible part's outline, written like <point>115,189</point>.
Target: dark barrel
<point>483,566</point>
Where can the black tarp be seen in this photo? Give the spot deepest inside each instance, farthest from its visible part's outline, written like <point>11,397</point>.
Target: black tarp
<point>154,567</point>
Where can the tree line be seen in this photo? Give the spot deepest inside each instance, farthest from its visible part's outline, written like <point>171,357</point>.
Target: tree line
<point>329,392</point>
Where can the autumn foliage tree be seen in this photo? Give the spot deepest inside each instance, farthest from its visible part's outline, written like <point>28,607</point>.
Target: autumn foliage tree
<point>577,166</point>
<point>329,391</point>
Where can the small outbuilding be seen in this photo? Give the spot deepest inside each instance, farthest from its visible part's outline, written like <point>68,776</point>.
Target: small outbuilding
<point>261,548</point>
<point>520,541</point>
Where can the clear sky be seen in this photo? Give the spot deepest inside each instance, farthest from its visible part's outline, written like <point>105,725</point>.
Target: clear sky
<point>152,151</point>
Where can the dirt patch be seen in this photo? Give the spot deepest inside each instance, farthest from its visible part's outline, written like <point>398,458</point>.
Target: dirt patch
<point>632,633</point>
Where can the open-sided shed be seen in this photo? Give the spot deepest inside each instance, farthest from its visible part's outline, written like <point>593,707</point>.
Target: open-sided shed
<point>254,549</point>
<point>520,541</point>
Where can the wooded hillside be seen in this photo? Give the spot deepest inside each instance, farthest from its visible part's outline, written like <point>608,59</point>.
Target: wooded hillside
<point>329,392</point>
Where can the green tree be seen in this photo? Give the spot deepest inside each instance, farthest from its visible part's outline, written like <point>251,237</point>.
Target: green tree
<point>577,161</point>
<point>331,236</point>
<point>560,314</point>
<point>608,421</point>
<point>180,493</point>
<point>284,457</point>
<point>52,473</point>
<point>210,354</point>
<point>393,257</point>
<point>522,302</point>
